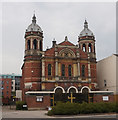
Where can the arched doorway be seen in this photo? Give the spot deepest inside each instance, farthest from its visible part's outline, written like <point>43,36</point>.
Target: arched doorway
<point>85,93</point>
<point>72,90</point>
<point>58,94</point>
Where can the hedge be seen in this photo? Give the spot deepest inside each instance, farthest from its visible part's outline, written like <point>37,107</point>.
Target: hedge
<point>19,105</point>
<point>84,108</point>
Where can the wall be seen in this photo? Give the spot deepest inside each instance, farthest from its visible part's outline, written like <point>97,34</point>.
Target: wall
<point>19,94</point>
<point>6,87</point>
<point>13,85</point>
<point>99,98</point>
<point>32,103</point>
<point>106,70</point>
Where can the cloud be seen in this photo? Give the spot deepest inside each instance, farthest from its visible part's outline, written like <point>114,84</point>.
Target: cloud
<point>56,20</point>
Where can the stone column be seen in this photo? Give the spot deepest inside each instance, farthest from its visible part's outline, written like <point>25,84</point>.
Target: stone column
<point>81,46</point>
<point>87,48</point>
<point>92,47</point>
<point>43,70</point>
<point>78,69</point>
<point>89,72</point>
<point>31,43</point>
<point>38,43</point>
<point>56,70</point>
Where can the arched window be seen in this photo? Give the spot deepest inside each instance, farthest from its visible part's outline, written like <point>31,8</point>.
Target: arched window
<point>84,48</point>
<point>63,70</point>
<point>69,70</point>
<point>40,45</point>
<point>90,48</point>
<point>28,44</point>
<point>83,70</point>
<point>49,69</point>
<point>35,44</point>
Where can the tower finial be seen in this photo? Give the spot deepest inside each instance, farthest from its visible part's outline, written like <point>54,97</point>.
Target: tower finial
<point>34,18</point>
<point>85,24</point>
<point>66,38</point>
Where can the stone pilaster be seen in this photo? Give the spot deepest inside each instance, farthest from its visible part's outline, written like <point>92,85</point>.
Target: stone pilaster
<point>89,72</point>
<point>31,43</point>
<point>87,49</point>
<point>38,42</point>
<point>81,45</point>
<point>78,69</point>
<point>43,70</point>
<point>56,69</point>
<point>92,47</point>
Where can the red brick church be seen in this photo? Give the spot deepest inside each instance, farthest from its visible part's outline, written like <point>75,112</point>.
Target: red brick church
<point>64,72</point>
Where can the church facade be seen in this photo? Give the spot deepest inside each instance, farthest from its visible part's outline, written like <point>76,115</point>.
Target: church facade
<point>64,72</point>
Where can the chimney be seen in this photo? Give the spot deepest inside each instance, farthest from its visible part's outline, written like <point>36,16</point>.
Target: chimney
<point>53,43</point>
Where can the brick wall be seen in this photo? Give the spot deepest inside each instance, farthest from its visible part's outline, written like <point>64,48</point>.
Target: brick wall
<point>7,84</point>
<point>99,98</point>
<point>32,103</point>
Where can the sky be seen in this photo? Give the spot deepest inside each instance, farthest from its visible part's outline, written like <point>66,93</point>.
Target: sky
<point>57,20</point>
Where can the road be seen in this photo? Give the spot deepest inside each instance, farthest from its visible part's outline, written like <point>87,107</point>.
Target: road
<point>8,114</point>
<point>59,119</point>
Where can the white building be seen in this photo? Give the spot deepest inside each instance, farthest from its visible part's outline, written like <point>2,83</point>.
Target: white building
<point>19,94</point>
<point>106,73</point>
<point>13,85</point>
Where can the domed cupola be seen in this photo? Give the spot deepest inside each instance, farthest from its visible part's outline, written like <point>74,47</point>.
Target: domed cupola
<point>86,33</point>
<point>86,40</point>
<point>33,26</point>
<point>33,39</point>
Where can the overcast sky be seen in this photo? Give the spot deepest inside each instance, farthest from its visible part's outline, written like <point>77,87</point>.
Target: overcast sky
<point>57,20</point>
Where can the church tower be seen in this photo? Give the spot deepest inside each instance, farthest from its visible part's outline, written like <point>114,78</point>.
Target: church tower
<point>87,41</point>
<point>33,39</point>
<point>31,69</point>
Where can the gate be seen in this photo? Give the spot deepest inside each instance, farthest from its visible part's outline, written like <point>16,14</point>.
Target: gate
<point>76,97</point>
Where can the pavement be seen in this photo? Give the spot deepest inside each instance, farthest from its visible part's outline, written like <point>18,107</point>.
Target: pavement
<point>12,114</point>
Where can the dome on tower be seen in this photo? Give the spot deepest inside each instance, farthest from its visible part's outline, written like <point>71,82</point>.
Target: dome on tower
<point>86,31</point>
<point>33,26</point>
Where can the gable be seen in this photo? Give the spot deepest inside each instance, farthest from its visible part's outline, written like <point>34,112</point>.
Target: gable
<point>68,43</point>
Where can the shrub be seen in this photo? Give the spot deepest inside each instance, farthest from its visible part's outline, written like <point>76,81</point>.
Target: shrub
<point>19,105</point>
<point>84,108</point>
<point>63,109</point>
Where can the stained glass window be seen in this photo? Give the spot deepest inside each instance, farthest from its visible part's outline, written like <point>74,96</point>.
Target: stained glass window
<point>69,70</point>
<point>83,70</point>
<point>63,70</point>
